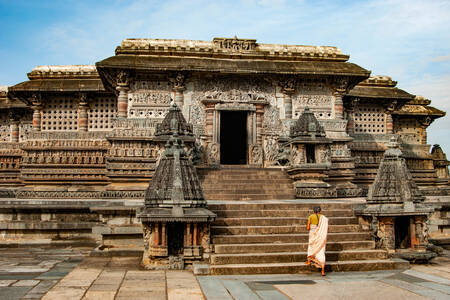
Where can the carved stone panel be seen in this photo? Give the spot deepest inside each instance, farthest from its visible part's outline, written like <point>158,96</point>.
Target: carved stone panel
<point>149,99</point>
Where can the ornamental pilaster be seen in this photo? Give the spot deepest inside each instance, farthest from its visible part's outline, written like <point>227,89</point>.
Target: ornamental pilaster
<point>339,103</point>
<point>122,87</point>
<point>288,90</point>
<point>83,119</point>
<point>37,110</point>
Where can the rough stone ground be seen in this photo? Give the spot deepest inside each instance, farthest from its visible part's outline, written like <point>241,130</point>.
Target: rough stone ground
<point>68,273</point>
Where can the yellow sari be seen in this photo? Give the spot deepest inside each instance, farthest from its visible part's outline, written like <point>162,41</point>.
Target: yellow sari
<point>317,242</point>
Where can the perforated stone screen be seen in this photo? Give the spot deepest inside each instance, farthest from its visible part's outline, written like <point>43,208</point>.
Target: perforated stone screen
<point>369,119</point>
<point>60,114</point>
<point>102,110</point>
<point>5,131</point>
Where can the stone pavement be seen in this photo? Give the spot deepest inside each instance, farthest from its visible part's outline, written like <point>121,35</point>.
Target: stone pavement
<point>121,278</point>
<point>48,273</point>
<point>419,282</point>
<point>29,273</point>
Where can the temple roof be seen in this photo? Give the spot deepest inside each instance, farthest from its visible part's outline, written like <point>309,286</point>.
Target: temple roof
<point>76,78</point>
<point>379,87</point>
<point>419,107</point>
<point>228,56</point>
<point>63,71</point>
<point>235,48</point>
<point>7,101</point>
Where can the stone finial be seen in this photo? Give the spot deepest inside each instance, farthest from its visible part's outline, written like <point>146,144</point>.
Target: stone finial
<point>307,125</point>
<point>174,118</point>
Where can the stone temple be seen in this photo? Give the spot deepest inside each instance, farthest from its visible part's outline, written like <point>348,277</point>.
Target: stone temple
<point>245,125</point>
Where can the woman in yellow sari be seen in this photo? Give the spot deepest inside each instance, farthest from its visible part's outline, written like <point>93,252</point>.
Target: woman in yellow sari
<point>318,230</point>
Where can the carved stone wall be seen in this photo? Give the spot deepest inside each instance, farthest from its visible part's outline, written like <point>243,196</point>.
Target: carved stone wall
<point>315,95</point>
<point>64,161</point>
<point>149,98</point>
<point>409,130</point>
<point>232,89</point>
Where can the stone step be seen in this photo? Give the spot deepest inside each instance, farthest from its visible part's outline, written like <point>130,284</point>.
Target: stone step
<point>279,213</point>
<point>244,197</point>
<point>289,247</point>
<point>247,190</point>
<point>279,206</point>
<point>283,257</point>
<point>206,181</point>
<point>252,230</point>
<point>288,238</point>
<point>279,221</point>
<point>296,267</point>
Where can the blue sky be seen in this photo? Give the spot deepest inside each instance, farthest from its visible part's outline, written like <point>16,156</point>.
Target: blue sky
<point>407,40</point>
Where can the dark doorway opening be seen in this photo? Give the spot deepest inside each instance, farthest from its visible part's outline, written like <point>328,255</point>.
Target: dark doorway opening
<point>233,137</point>
<point>175,238</point>
<point>402,233</point>
<point>310,153</point>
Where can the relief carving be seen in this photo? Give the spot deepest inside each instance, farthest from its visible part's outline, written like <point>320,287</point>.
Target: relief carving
<point>213,154</point>
<point>256,154</point>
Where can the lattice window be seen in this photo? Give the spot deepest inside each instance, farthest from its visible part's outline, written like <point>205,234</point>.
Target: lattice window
<point>369,119</point>
<point>60,115</point>
<point>5,130</point>
<point>101,111</point>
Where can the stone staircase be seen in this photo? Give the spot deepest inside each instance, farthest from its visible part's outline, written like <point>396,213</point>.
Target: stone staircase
<point>271,238</point>
<point>245,183</point>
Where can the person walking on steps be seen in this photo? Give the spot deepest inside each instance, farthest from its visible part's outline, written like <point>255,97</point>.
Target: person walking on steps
<point>318,230</point>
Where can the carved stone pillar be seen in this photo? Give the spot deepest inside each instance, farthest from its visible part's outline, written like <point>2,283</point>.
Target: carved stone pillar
<point>14,119</point>
<point>83,113</point>
<point>37,108</point>
<point>123,88</point>
<point>389,123</point>
<point>386,233</point>
<point>339,104</point>
<point>14,131</point>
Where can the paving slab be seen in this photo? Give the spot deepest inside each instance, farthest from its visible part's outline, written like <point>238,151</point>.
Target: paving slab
<point>213,289</point>
<point>65,292</point>
<point>13,292</point>
<point>182,285</point>
<point>347,290</point>
<point>31,283</point>
<point>6,282</point>
<point>239,290</point>
<point>99,295</point>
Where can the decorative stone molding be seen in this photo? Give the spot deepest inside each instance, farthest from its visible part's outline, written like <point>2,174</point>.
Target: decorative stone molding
<point>235,44</point>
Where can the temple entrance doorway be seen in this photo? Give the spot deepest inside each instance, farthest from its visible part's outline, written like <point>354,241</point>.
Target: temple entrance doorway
<point>233,137</point>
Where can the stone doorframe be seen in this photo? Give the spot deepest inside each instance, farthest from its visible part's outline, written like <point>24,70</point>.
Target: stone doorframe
<point>254,126</point>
